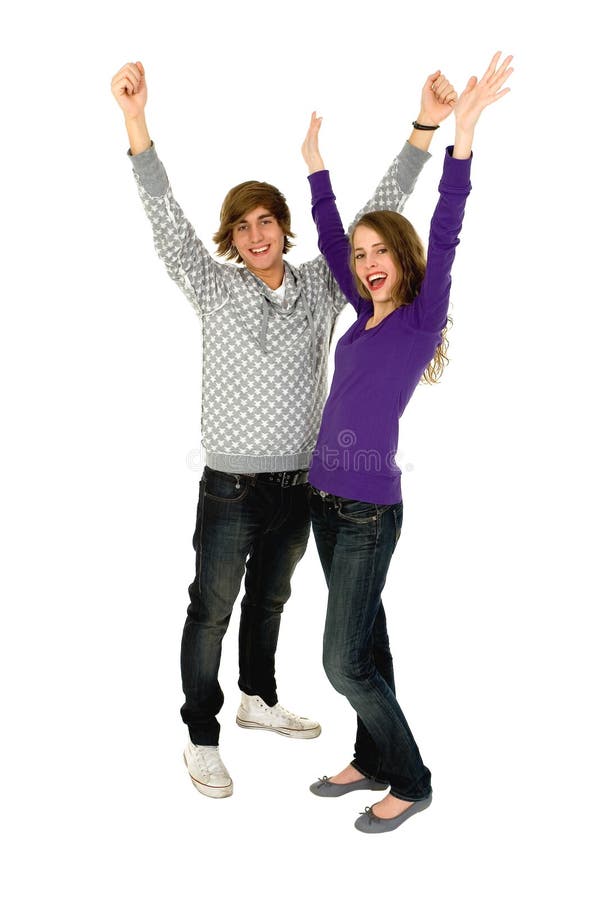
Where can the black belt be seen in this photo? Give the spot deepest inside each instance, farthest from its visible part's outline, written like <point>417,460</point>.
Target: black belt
<point>285,479</point>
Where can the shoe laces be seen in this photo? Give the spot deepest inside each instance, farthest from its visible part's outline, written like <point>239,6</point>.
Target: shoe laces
<point>209,758</point>
<point>283,711</point>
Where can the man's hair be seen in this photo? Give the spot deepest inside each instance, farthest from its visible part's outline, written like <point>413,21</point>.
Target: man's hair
<point>241,200</point>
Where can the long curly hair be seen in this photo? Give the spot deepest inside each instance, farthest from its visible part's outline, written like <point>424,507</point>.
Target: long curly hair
<point>408,253</point>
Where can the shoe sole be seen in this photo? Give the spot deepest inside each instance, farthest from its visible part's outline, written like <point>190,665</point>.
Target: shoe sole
<point>307,734</point>
<point>381,826</point>
<point>209,790</point>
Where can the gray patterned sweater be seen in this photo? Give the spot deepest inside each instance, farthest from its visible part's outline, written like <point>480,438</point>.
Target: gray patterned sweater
<point>264,359</point>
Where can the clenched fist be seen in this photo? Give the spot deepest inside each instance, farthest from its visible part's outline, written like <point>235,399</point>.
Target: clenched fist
<point>129,89</point>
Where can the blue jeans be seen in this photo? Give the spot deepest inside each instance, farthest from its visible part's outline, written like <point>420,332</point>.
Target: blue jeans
<point>242,524</point>
<point>356,542</point>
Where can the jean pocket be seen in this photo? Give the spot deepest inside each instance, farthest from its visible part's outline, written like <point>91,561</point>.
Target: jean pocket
<point>224,487</point>
<point>358,512</point>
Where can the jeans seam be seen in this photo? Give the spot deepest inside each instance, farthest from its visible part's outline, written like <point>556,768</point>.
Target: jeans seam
<point>259,556</point>
<point>363,613</point>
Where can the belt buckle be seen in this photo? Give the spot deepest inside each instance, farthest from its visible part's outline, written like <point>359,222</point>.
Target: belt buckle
<point>286,479</point>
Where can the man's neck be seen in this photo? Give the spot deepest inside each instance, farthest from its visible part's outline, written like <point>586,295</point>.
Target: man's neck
<point>272,277</point>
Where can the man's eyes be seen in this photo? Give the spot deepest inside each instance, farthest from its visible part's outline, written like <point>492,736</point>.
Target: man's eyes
<point>243,226</point>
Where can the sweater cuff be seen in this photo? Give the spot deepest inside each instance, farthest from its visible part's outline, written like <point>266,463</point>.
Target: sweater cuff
<point>150,171</point>
<point>413,160</point>
<point>457,173</point>
<point>320,185</point>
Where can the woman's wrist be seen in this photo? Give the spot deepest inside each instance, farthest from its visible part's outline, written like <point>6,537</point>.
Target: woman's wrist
<point>315,165</point>
<point>463,141</point>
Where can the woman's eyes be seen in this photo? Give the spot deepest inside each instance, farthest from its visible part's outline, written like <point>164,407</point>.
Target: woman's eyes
<point>358,256</point>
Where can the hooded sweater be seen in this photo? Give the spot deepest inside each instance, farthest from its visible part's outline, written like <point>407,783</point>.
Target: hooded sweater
<point>377,369</point>
<point>264,357</point>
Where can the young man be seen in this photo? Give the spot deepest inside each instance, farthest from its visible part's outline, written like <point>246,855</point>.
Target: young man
<point>266,333</point>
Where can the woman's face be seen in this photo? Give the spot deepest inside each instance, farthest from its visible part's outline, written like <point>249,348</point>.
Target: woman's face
<point>374,264</point>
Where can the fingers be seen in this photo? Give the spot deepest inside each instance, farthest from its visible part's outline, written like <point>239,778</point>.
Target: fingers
<point>491,86</point>
<point>439,83</point>
<point>315,125</point>
<point>492,66</point>
<point>310,145</point>
<point>443,90</point>
<point>494,76</point>
<point>431,78</point>
<point>497,96</point>
<point>502,74</point>
<point>129,79</point>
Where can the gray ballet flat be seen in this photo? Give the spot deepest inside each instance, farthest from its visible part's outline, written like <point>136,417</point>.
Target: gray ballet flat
<point>326,788</point>
<point>372,824</point>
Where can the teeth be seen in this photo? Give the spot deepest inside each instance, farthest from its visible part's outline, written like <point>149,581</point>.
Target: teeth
<point>261,250</point>
<point>373,278</point>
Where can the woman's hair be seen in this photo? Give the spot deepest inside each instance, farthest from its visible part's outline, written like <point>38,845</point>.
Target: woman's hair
<point>242,199</point>
<point>408,253</point>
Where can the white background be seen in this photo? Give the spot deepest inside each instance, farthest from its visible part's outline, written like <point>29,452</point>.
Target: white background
<point>491,592</point>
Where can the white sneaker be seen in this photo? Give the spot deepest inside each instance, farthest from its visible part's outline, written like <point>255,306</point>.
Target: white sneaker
<point>208,774</point>
<point>254,713</point>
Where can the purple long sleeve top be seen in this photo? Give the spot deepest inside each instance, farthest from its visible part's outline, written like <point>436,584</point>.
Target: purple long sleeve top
<point>377,370</point>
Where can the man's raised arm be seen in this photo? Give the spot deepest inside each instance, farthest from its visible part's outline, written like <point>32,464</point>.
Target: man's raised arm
<point>186,259</point>
<point>437,100</point>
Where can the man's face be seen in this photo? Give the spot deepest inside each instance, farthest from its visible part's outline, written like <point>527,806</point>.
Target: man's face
<point>259,238</point>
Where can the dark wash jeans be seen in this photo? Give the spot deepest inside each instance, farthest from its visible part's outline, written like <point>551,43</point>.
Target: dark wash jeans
<point>356,542</point>
<point>241,523</point>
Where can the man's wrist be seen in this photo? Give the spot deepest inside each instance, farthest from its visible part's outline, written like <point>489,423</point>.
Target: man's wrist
<point>424,119</point>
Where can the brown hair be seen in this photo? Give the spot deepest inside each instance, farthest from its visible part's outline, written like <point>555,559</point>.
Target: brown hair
<point>408,253</point>
<point>239,201</point>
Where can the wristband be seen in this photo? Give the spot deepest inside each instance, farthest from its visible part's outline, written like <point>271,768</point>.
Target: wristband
<point>424,127</point>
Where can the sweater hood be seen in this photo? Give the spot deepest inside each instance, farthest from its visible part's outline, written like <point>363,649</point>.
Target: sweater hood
<point>293,304</point>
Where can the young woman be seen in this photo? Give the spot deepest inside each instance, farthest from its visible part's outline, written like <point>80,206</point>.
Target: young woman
<point>401,302</point>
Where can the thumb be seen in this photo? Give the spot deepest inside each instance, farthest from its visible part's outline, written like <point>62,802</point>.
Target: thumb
<point>140,68</point>
<point>471,83</point>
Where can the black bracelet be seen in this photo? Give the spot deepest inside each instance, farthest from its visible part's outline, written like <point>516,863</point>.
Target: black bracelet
<point>425,127</point>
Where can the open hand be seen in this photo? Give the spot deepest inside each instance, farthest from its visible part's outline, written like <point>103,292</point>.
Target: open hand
<point>310,146</point>
<point>479,94</point>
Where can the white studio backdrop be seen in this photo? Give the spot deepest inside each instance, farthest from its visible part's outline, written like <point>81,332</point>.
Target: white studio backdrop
<point>491,593</point>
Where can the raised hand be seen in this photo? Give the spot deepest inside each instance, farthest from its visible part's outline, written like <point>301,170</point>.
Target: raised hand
<point>474,99</point>
<point>479,94</point>
<point>437,99</point>
<point>310,146</point>
<point>129,89</point>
